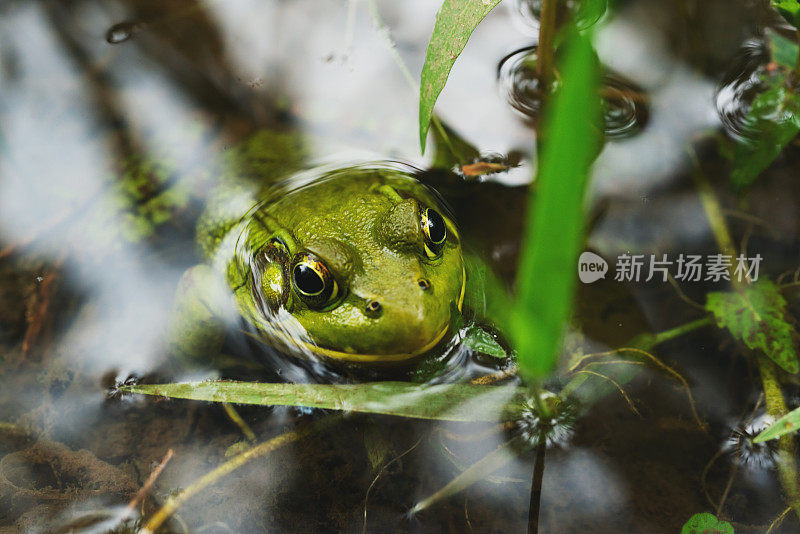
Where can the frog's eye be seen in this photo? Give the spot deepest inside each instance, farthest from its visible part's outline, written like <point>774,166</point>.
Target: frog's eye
<point>313,281</point>
<point>435,230</point>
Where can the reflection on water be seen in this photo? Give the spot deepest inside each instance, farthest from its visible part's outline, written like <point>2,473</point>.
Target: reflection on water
<point>625,105</point>
<point>122,123</point>
<point>739,87</point>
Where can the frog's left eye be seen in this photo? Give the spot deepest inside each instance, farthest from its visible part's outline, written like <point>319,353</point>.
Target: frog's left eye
<point>313,281</point>
<point>435,230</point>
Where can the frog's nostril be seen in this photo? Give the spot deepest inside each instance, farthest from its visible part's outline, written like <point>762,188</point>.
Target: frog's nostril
<point>424,284</point>
<point>373,308</point>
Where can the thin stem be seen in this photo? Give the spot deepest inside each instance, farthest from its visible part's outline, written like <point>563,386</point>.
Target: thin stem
<point>536,485</point>
<point>713,210</point>
<point>678,331</point>
<point>545,47</point>
<point>175,502</point>
<point>776,407</point>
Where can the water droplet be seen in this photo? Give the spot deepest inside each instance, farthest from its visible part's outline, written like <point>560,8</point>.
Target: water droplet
<point>122,31</point>
<point>740,85</point>
<point>588,11</point>
<point>516,74</point>
<point>625,110</point>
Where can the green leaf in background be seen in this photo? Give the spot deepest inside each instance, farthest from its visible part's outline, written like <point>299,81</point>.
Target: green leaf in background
<point>788,423</point>
<point>789,10</point>
<point>447,402</point>
<point>783,51</point>
<point>774,117</point>
<point>706,523</point>
<point>455,22</point>
<point>756,317</point>
<point>554,228</point>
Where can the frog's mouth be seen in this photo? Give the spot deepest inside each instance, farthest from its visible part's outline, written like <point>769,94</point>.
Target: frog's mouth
<point>354,357</point>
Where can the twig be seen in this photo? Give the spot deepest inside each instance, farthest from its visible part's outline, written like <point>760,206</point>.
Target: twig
<point>683,295</point>
<point>393,460</point>
<point>144,490</point>
<point>175,502</point>
<point>622,391</point>
<point>778,520</point>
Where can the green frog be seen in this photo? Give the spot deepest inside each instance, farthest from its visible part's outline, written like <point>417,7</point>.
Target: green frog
<point>360,264</point>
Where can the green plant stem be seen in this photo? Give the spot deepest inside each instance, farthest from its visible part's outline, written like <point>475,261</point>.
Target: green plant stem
<point>661,337</point>
<point>713,210</point>
<point>796,71</point>
<point>545,48</point>
<point>536,484</point>
<point>678,331</point>
<point>541,406</point>
<point>776,407</point>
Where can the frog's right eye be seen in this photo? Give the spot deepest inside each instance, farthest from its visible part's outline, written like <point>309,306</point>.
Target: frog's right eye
<point>313,281</point>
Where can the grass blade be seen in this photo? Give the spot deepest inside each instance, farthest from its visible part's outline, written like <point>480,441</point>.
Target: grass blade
<point>554,229</point>
<point>447,402</point>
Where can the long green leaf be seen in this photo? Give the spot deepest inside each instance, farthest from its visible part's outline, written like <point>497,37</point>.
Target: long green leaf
<point>455,22</point>
<point>554,229</point>
<point>448,402</point>
<point>788,423</point>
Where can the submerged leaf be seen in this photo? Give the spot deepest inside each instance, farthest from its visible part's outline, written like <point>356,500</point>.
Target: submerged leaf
<point>479,340</point>
<point>554,228</point>
<point>783,51</point>
<point>756,317</point>
<point>788,423</point>
<point>448,402</point>
<point>455,22</point>
<point>706,523</point>
<point>775,116</point>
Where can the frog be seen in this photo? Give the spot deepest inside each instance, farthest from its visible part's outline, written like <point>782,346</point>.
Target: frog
<point>361,264</point>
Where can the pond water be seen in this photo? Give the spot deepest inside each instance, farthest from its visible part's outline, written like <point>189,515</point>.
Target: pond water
<point>122,121</point>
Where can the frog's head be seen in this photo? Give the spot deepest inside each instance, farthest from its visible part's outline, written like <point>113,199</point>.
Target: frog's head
<point>368,262</point>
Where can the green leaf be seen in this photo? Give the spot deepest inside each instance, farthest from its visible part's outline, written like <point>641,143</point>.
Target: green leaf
<point>788,423</point>
<point>706,523</point>
<point>775,119</point>
<point>555,225</point>
<point>789,10</point>
<point>447,402</point>
<point>783,51</point>
<point>756,316</point>
<point>479,340</point>
<point>455,22</point>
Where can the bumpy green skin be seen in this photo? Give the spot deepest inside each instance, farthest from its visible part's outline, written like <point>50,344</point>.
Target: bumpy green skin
<point>365,225</point>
